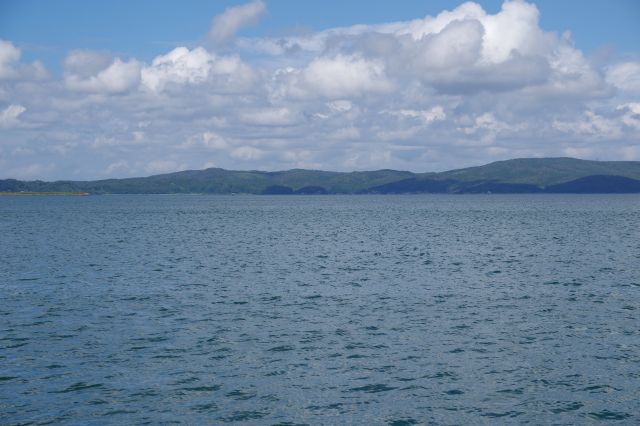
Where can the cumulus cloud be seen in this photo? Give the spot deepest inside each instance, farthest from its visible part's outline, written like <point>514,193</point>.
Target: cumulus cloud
<point>88,71</point>
<point>197,66</point>
<point>178,66</point>
<point>85,63</point>
<point>513,29</point>
<point>459,44</point>
<point>335,77</point>
<point>11,68</point>
<point>464,50</point>
<point>462,87</point>
<point>345,76</point>
<point>227,24</point>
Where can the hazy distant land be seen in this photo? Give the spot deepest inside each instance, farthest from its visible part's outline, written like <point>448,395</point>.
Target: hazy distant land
<point>529,175</point>
<point>44,193</point>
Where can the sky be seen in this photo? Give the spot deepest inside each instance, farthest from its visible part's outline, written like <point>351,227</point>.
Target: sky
<point>91,90</point>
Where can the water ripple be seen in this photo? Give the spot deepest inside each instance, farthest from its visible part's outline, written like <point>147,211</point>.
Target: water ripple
<point>320,310</point>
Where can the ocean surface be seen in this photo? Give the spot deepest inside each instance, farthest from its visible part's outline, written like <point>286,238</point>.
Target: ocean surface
<point>260,310</point>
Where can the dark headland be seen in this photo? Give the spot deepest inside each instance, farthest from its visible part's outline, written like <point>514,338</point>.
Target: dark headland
<point>525,175</point>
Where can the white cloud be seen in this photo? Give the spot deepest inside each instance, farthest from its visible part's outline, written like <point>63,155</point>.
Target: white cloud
<point>486,129</point>
<point>462,51</point>
<point>86,72</point>
<point>513,29</point>
<point>437,92</point>
<point>633,108</point>
<point>183,66</point>
<point>469,50</point>
<point>86,63</point>
<point>11,68</point>
<point>214,141</point>
<point>459,44</point>
<point>227,24</point>
<point>270,117</point>
<point>336,77</point>
<point>467,29</point>
<point>9,57</point>
<point>487,121</point>
<point>631,114</point>
<point>590,124</point>
<point>625,76</point>
<point>341,105</point>
<point>433,114</point>
<point>9,116</point>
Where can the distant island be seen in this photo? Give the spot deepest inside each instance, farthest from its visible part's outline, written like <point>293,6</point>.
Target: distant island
<point>524,175</point>
<point>44,193</point>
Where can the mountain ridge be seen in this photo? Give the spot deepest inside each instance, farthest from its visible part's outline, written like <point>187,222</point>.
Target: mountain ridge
<point>520,175</point>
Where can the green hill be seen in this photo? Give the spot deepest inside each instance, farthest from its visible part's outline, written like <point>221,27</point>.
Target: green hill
<point>524,175</point>
<point>542,171</point>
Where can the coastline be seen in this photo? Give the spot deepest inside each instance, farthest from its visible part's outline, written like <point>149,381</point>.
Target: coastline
<point>78,194</point>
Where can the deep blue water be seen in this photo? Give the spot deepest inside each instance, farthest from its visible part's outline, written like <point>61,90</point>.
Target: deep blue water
<point>320,310</point>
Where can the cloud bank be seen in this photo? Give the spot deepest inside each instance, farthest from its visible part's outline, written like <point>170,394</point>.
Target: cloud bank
<point>461,88</point>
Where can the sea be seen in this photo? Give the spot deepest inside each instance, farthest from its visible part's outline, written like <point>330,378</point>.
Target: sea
<point>320,310</point>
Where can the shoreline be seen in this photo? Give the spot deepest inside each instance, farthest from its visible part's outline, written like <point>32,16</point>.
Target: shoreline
<point>77,194</point>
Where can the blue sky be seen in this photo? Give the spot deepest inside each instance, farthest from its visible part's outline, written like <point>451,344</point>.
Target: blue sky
<point>93,89</point>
